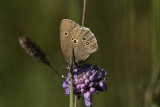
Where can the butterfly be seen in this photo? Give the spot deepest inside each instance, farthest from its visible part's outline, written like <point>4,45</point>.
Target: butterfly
<point>76,41</point>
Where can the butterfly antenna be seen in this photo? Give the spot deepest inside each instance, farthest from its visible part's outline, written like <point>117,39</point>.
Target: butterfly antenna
<point>83,15</point>
<point>73,56</point>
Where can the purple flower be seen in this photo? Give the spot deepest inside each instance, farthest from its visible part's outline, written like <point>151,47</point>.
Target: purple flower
<point>86,81</point>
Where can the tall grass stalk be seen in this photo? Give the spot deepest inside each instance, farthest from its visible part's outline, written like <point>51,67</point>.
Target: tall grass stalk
<point>131,59</point>
<point>155,51</point>
<point>83,14</point>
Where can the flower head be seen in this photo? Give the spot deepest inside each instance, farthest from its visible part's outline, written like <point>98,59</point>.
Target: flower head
<point>86,81</point>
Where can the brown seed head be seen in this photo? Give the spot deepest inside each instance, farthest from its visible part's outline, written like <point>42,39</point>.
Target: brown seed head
<point>33,50</point>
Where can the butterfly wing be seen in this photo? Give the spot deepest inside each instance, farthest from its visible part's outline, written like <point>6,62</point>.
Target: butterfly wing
<point>66,28</point>
<point>83,42</point>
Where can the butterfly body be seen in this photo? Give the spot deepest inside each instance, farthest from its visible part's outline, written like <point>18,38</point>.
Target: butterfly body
<point>76,41</point>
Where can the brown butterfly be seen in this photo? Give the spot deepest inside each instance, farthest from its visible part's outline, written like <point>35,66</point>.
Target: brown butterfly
<point>76,41</point>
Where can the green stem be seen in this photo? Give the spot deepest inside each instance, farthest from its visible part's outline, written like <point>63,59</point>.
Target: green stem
<point>71,83</point>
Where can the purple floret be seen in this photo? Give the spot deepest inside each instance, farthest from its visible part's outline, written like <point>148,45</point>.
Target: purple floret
<point>86,81</point>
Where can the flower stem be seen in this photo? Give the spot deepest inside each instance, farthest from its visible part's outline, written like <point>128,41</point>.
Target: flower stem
<point>75,101</point>
<point>71,83</point>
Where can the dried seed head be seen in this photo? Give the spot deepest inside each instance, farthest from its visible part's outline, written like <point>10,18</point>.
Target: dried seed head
<point>33,50</point>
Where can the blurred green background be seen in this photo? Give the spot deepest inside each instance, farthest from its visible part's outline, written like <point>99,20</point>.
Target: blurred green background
<point>128,35</point>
